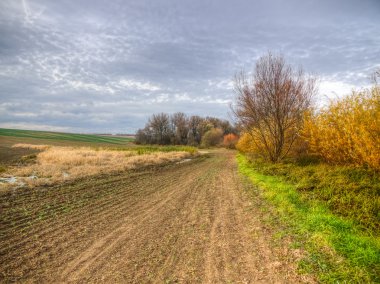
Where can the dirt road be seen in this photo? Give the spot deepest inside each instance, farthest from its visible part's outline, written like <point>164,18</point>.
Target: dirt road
<point>183,223</point>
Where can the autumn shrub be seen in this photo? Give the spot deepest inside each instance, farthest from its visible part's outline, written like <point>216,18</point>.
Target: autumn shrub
<point>348,130</point>
<point>213,137</point>
<point>245,144</point>
<point>230,140</point>
<point>249,144</point>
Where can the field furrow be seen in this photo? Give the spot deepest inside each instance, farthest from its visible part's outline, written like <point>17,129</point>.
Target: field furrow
<point>177,223</point>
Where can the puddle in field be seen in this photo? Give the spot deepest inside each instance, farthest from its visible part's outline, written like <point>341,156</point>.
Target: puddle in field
<point>184,161</point>
<point>13,181</point>
<point>8,180</point>
<point>16,180</point>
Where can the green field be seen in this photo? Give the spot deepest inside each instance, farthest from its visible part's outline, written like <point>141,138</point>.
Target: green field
<point>58,136</point>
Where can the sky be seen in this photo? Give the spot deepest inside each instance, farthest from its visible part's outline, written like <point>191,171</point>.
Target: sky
<point>94,66</point>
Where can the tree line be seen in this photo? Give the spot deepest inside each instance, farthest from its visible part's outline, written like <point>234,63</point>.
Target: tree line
<point>180,129</point>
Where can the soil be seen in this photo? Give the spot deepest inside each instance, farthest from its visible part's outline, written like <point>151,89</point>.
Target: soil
<point>191,222</point>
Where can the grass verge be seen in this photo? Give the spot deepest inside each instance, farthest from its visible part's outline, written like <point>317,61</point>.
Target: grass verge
<point>351,192</point>
<point>338,249</point>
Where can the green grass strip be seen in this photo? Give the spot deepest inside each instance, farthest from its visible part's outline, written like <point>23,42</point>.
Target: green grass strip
<point>338,252</point>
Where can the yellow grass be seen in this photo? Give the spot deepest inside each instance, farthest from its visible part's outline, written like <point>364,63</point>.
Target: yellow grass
<point>55,164</point>
<point>31,146</point>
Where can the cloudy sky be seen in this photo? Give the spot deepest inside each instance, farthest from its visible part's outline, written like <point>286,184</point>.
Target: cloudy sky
<point>105,66</point>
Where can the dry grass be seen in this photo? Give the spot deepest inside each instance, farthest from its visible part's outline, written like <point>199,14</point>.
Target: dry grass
<point>55,164</point>
<point>31,146</point>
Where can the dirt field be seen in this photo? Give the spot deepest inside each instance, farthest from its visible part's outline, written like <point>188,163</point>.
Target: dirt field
<point>181,223</point>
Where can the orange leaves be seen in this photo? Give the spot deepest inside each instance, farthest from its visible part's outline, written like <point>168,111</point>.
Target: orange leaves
<point>230,140</point>
<point>348,130</point>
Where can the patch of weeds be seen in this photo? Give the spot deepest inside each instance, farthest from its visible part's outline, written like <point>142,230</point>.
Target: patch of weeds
<point>3,169</point>
<point>339,251</point>
<point>28,159</point>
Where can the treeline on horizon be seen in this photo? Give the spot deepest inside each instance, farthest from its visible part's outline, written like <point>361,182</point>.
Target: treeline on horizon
<point>180,129</point>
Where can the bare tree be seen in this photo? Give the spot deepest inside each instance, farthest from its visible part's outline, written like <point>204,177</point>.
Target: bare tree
<point>180,128</point>
<point>194,134</point>
<point>271,103</point>
<point>160,127</point>
<point>376,77</point>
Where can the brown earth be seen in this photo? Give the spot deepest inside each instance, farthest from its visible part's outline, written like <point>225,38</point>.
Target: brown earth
<point>182,223</point>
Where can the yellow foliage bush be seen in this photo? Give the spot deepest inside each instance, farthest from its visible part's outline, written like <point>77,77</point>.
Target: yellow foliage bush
<point>246,144</point>
<point>348,130</point>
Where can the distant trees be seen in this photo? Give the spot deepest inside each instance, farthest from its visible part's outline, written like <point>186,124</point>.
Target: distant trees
<point>160,128</point>
<point>270,105</point>
<point>180,129</point>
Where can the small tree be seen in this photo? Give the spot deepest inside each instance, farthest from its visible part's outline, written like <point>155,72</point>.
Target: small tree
<point>270,105</point>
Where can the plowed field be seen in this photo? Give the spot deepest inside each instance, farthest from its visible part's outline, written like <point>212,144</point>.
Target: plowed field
<point>188,223</point>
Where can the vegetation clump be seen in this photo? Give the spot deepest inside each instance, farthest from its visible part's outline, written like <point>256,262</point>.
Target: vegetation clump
<point>230,140</point>
<point>347,131</point>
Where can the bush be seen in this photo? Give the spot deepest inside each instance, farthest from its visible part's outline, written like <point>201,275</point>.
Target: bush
<point>230,140</point>
<point>213,137</point>
<point>246,143</point>
<point>348,130</point>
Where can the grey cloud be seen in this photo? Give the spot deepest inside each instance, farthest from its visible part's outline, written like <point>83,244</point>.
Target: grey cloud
<point>107,65</point>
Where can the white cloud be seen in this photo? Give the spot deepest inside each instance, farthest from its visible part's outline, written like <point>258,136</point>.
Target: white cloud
<point>226,84</point>
<point>34,126</point>
<point>137,85</point>
<point>79,85</point>
<point>331,88</point>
